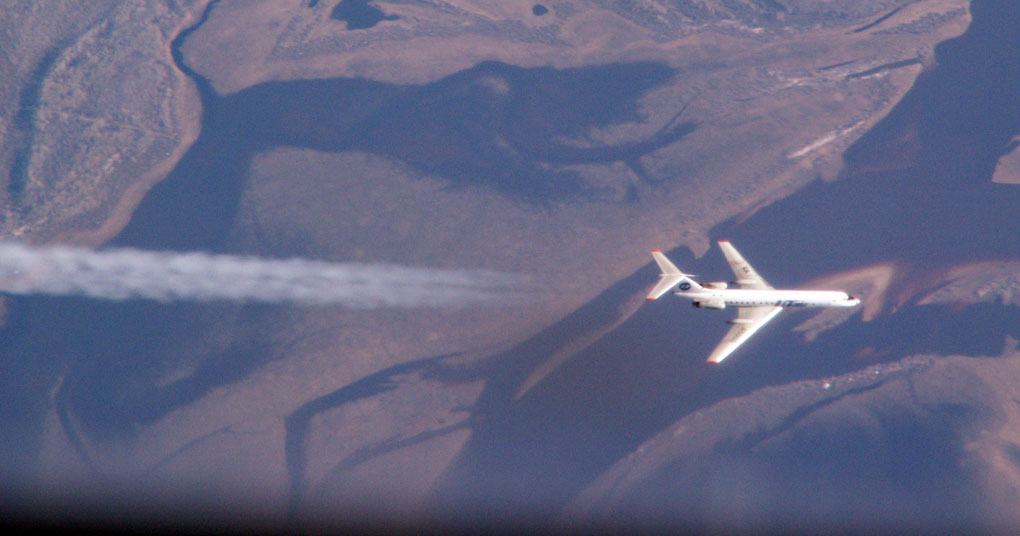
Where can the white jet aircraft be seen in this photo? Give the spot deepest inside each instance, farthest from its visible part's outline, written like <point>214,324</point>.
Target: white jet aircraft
<point>756,300</point>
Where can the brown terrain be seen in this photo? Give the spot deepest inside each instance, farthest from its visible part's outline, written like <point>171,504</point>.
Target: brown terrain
<point>366,408</point>
<point>968,406</point>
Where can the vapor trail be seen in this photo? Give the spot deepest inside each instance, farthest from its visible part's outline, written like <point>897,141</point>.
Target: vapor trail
<point>122,274</point>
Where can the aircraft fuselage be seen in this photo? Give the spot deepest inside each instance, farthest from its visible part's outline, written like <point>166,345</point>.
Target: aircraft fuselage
<point>756,301</point>
<point>782,298</point>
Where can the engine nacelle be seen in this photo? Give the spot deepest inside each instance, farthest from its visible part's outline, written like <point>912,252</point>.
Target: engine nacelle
<point>710,304</point>
<point>717,285</point>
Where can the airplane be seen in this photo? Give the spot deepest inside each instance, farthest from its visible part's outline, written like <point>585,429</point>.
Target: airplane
<point>756,300</point>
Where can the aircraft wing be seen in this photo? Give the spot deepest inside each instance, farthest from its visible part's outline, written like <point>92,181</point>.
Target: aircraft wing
<point>746,276</point>
<point>748,321</point>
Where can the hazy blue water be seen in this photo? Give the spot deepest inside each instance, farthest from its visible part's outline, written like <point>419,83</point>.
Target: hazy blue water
<point>111,354</point>
<point>928,202</point>
<point>359,14</point>
<point>448,128</point>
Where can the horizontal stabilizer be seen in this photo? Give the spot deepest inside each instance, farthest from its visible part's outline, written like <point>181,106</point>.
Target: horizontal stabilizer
<point>666,282</point>
<point>666,266</point>
<point>670,277</point>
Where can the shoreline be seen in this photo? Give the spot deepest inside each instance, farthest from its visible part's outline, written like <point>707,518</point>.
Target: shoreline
<point>187,106</point>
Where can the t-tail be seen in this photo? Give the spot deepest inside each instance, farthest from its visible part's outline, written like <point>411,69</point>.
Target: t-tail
<point>670,277</point>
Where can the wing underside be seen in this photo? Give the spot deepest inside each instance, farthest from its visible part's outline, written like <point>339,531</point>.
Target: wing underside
<point>748,321</point>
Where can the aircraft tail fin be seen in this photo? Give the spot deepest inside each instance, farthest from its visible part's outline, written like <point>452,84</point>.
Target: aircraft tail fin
<point>670,277</point>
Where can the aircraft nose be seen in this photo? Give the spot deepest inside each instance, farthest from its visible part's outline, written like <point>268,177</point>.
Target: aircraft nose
<point>852,300</point>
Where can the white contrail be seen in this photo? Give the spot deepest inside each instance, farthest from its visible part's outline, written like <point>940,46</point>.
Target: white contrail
<point>122,274</point>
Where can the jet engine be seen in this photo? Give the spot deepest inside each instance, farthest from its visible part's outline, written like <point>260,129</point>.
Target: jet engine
<point>718,285</point>
<point>710,304</point>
